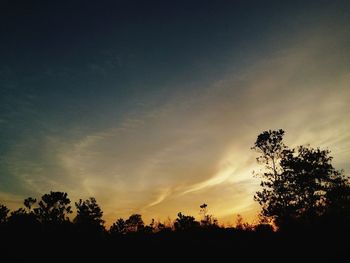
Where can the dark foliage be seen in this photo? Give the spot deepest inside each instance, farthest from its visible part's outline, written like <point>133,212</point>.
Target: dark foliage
<point>134,223</point>
<point>89,216</point>
<point>53,208</point>
<point>3,213</point>
<point>300,187</point>
<point>185,223</point>
<point>119,227</point>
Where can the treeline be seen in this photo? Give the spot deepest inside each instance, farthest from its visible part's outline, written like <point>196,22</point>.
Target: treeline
<point>46,231</point>
<point>305,212</point>
<point>53,210</point>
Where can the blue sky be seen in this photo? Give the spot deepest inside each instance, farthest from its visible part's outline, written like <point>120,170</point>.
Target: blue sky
<point>152,107</point>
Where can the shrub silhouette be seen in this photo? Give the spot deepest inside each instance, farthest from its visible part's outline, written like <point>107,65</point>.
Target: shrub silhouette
<point>185,223</point>
<point>24,223</point>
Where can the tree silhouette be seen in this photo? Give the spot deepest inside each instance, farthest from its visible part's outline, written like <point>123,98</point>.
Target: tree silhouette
<point>89,215</point>
<point>3,213</point>
<point>134,223</point>
<point>119,227</point>
<point>297,183</point>
<point>185,223</point>
<point>271,147</point>
<point>338,202</point>
<point>53,208</point>
<point>239,222</point>
<point>203,211</point>
<point>23,222</point>
<point>207,219</point>
<point>29,202</point>
<point>276,200</point>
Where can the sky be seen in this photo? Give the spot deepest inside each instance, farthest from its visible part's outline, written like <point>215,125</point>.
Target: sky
<point>152,107</point>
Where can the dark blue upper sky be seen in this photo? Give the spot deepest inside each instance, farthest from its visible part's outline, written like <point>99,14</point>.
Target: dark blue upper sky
<point>70,59</point>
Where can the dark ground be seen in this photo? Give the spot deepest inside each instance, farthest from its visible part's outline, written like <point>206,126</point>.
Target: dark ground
<point>202,245</point>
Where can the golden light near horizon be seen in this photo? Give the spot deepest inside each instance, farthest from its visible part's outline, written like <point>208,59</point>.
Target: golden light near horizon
<point>168,143</point>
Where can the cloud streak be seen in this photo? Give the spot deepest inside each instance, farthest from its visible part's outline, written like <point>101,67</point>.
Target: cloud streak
<point>195,147</point>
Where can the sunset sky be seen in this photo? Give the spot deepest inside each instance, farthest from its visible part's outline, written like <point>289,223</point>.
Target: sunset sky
<point>152,106</point>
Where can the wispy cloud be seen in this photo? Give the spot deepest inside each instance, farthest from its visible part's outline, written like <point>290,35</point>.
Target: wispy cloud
<point>195,147</point>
